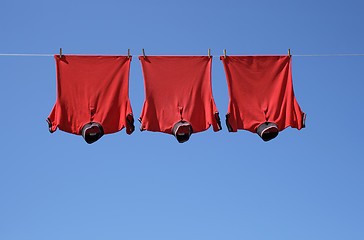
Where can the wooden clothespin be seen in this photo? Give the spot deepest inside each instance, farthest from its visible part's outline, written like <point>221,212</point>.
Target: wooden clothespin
<point>143,53</point>
<point>209,53</point>
<point>128,53</point>
<point>60,53</point>
<point>224,53</point>
<point>289,52</point>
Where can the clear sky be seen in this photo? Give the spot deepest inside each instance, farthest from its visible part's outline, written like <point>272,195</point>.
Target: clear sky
<point>305,184</point>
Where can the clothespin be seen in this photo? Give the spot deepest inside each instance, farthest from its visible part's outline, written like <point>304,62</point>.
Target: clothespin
<point>60,53</point>
<point>143,53</point>
<point>224,53</point>
<point>289,52</point>
<point>209,53</point>
<point>128,53</point>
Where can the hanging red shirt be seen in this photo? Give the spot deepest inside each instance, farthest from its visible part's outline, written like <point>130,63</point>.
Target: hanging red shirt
<point>92,89</point>
<point>261,90</point>
<point>178,88</point>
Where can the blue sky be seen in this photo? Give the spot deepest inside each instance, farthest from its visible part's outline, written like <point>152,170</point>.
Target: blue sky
<point>304,184</point>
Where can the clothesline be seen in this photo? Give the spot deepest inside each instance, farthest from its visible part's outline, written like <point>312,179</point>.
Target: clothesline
<point>293,55</point>
<point>26,55</point>
<point>329,55</point>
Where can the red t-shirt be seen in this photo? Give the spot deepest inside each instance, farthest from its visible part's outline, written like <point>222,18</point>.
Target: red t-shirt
<point>92,89</point>
<point>178,88</point>
<point>260,90</point>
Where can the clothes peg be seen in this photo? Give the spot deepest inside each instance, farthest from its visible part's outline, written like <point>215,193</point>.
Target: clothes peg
<point>224,53</point>
<point>289,52</point>
<point>143,53</point>
<point>60,53</point>
<point>209,53</point>
<point>128,53</point>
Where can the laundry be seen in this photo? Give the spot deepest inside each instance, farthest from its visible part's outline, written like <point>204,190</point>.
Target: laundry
<point>261,94</point>
<point>178,96</point>
<point>92,96</point>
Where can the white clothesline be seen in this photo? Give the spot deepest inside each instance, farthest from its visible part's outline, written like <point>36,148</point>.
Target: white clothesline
<point>26,55</point>
<point>329,55</point>
<point>293,55</point>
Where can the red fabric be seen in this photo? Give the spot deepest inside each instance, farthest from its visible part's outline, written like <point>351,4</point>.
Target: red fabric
<point>178,88</point>
<point>92,89</point>
<point>260,89</point>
